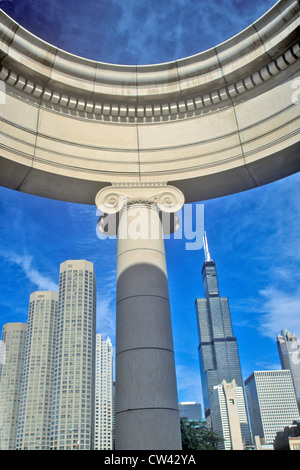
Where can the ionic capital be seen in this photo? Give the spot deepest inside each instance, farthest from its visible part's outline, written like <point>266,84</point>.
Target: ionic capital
<point>113,199</point>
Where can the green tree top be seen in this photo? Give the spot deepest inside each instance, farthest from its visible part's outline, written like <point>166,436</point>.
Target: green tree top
<point>196,435</point>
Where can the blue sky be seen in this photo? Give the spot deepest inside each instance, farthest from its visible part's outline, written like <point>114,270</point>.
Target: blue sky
<point>254,236</point>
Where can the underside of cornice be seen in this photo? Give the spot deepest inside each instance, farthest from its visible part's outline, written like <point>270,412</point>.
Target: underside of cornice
<point>246,63</point>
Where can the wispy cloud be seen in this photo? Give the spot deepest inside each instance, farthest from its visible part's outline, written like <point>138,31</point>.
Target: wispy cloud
<point>172,30</point>
<point>106,307</point>
<point>264,365</point>
<point>280,310</point>
<point>280,296</point>
<point>25,264</point>
<point>188,383</point>
<point>136,31</point>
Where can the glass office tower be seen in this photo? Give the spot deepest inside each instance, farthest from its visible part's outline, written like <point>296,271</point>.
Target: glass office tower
<point>190,410</point>
<point>218,350</point>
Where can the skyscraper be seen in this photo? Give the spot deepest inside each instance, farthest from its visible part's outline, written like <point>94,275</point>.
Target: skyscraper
<point>74,377</point>
<point>104,394</point>
<point>229,415</point>
<point>11,372</point>
<point>37,386</point>
<point>190,410</point>
<point>218,350</point>
<point>289,352</point>
<point>271,402</point>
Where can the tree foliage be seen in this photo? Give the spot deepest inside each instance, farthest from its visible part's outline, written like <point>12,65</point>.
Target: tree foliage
<point>196,435</point>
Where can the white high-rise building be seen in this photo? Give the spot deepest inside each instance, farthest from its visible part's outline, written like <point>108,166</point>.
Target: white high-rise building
<point>11,371</point>
<point>104,395</point>
<point>74,378</point>
<point>229,417</point>
<point>37,386</point>
<point>271,402</point>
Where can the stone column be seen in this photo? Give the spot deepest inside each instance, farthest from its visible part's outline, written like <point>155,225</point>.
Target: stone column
<point>147,416</point>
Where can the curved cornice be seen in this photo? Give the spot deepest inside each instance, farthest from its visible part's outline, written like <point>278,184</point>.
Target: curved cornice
<point>219,122</point>
<point>245,63</point>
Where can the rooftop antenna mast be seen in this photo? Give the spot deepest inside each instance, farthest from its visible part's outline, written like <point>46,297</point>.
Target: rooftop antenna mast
<point>206,250</point>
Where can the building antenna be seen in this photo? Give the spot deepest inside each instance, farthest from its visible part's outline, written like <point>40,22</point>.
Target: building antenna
<point>206,250</point>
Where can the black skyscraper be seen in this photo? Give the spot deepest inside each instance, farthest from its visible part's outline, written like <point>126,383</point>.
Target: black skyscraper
<point>218,351</point>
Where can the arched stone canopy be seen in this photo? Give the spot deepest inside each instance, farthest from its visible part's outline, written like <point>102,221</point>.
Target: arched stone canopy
<point>219,122</point>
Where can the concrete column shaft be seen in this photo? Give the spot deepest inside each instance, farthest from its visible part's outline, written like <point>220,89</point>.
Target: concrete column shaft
<point>147,415</point>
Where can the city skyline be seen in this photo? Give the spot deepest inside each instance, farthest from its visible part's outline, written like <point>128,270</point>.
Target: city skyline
<point>253,237</point>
